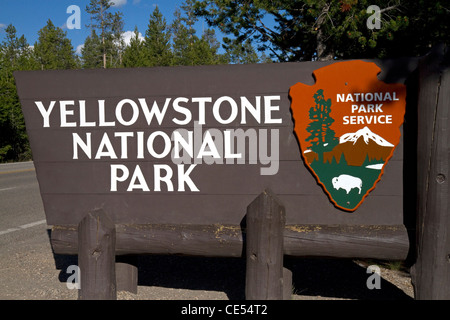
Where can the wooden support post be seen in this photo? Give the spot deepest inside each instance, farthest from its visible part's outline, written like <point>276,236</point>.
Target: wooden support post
<point>127,273</point>
<point>96,257</point>
<point>287,284</point>
<point>264,248</point>
<point>431,272</point>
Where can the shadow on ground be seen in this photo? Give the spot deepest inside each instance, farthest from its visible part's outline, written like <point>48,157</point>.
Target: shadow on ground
<point>312,277</point>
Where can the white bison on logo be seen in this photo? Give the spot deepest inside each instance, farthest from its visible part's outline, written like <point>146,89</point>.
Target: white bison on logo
<point>347,182</point>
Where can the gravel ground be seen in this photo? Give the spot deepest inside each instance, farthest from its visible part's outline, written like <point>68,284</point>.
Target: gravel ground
<point>30,271</point>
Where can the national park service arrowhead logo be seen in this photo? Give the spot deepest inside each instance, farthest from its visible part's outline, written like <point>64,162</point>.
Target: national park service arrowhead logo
<point>348,125</point>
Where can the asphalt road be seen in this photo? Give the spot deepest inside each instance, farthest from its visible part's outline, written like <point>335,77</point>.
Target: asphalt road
<point>30,271</point>
<point>20,201</point>
<point>27,270</point>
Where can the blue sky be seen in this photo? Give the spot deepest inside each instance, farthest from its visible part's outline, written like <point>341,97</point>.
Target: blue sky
<point>29,16</point>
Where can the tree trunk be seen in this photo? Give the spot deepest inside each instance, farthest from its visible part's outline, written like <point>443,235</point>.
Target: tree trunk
<point>322,53</point>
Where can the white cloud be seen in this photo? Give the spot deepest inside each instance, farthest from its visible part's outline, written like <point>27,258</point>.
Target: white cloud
<point>2,26</point>
<point>117,3</point>
<point>127,35</point>
<point>78,51</point>
<point>136,1</point>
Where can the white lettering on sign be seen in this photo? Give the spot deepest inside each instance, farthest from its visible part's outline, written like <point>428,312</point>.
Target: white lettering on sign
<point>366,96</point>
<point>45,112</point>
<point>186,146</point>
<point>381,119</point>
<point>224,109</point>
<point>368,112</point>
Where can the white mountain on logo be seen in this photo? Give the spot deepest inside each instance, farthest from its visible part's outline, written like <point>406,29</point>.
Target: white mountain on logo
<point>356,148</point>
<point>367,135</point>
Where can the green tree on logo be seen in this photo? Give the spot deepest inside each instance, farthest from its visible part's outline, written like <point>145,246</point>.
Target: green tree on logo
<point>321,136</point>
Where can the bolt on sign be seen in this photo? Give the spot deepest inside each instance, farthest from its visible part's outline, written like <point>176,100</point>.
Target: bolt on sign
<point>348,125</point>
<point>196,145</point>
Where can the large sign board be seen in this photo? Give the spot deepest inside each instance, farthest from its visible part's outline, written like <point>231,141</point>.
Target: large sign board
<point>186,145</point>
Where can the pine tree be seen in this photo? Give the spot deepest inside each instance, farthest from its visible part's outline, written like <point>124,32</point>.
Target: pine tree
<point>17,51</point>
<point>241,53</point>
<point>183,41</point>
<point>15,54</point>
<point>109,27</point>
<point>91,53</point>
<point>366,162</point>
<point>207,49</point>
<point>53,49</point>
<point>118,44</point>
<point>322,137</point>
<point>134,55</point>
<point>157,49</point>
<point>188,48</point>
<point>342,160</point>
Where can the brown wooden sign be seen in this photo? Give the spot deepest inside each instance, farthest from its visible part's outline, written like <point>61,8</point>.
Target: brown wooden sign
<point>212,161</point>
<point>183,145</point>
